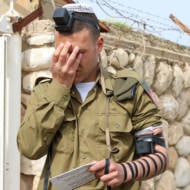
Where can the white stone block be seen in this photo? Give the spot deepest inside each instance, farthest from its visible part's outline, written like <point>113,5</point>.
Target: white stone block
<point>119,58</point>
<point>138,66</point>
<point>184,102</point>
<point>182,172</point>
<point>178,80</point>
<point>40,39</point>
<point>167,181</point>
<point>131,58</point>
<point>111,70</point>
<point>187,187</point>
<point>168,107</point>
<point>149,69</point>
<point>186,123</point>
<point>30,79</point>
<point>187,75</point>
<point>104,58</point>
<point>163,78</point>
<point>37,58</point>
<point>175,132</point>
<point>182,147</point>
<point>40,26</point>
<point>172,158</point>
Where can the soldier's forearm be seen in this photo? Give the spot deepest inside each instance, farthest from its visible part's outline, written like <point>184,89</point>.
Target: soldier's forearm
<point>147,166</point>
<point>43,118</point>
<point>38,130</point>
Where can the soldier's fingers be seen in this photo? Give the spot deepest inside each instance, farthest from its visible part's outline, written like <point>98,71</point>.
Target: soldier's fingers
<point>64,53</point>
<point>74,58</point>
<point>78,60</point>
<point>100,165</point>
<point>157,131</point>
<point>111,178</point>
<point>114,182</point>
<point>57,51</point>
<point>162,149</point>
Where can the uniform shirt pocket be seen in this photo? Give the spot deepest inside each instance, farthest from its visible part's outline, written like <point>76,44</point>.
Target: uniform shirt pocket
<point>120,129</point>
<point>64,139</point>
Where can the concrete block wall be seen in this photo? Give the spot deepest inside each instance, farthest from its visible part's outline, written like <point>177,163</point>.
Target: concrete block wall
<point>164,65</point>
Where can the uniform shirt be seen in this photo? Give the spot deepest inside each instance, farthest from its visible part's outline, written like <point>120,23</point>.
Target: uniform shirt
<point>77,128</point>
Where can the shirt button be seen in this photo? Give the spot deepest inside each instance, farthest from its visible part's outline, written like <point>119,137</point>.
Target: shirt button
<point>117,125</point>
<point>83,156</point>
<point>45,139</point>
<point>66,97</point>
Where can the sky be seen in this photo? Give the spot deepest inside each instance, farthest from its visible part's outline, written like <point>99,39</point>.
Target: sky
<point>154,13</point>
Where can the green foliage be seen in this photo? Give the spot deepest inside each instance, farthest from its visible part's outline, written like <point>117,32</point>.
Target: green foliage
<point>120,25</point>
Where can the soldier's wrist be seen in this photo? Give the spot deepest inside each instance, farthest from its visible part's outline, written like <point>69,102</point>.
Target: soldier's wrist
<point>124,172</point>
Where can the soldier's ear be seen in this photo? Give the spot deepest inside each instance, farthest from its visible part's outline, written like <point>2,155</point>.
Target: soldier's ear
<point>100,43</point>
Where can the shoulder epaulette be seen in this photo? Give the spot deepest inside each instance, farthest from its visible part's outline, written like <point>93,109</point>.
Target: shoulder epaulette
<point>123,84</point>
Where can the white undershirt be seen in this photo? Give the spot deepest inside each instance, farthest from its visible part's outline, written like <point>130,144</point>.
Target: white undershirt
<point>84,89</point>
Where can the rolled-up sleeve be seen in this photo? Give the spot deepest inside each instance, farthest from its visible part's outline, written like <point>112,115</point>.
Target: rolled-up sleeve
<point>145,112</point>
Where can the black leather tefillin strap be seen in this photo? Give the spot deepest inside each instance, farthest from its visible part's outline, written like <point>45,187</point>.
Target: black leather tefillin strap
<point>106,171</point>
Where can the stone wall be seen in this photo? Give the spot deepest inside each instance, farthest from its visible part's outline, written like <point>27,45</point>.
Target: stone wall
<point>164,65</point>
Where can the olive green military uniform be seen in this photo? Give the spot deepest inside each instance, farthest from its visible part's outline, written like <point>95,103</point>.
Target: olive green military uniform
<point>78,129</point>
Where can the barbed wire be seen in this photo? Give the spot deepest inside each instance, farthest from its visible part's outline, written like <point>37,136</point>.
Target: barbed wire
<point>137,19</point>
<point>140,18</point>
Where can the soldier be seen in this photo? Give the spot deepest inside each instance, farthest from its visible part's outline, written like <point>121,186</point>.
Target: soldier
<point>84,114</point>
